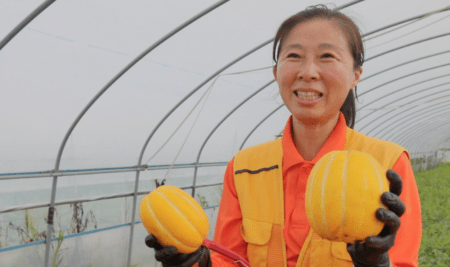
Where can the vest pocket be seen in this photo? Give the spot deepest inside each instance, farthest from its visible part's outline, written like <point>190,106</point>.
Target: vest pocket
<point>340,254</point>
<point>257,235</point>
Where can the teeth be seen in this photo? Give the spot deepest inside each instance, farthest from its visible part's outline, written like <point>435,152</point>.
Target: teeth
<point>308,95</point>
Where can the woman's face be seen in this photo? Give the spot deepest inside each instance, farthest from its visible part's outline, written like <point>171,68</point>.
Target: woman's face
<point>315,71</point>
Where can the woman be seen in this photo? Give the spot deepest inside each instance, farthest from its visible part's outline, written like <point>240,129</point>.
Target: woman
<point>319,55</point>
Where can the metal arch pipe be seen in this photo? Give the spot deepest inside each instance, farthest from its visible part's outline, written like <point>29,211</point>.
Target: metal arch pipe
<point>417,139</point>
<point>405,119</point>
<point>140,160</point>
<point>388,119</point>
<point>393,135</point>
<point>410,74</point>
<point>401,89</point>
<point>410,44</point>
<point>418,92</point>
<point>25,22</point>
<point>218,72</point>
<point>402,64</point>
<point>412,126</point>
<point>97,96</point>
<point>416,133</point>
<point>349,4</point>
<point>196,17</point>
<point>433,146</point>
<point>217,126</point>
<point>404,21</point>
<point>259,124</point>
<point>406,139</point>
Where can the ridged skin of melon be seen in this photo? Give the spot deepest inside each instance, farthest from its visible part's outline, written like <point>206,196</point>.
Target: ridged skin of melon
<point>174,218</point>
<point>343,193</point>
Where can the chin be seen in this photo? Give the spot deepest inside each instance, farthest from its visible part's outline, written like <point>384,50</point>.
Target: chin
<point>311,119</point>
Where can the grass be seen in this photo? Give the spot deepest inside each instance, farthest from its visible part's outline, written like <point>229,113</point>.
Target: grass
<point>434,193</point>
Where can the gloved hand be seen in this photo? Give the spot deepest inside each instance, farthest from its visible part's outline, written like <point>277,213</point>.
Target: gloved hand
<point>170,257</point>
<point>374,251</point>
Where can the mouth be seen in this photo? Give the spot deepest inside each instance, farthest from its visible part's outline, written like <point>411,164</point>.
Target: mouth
<point>309,95</point>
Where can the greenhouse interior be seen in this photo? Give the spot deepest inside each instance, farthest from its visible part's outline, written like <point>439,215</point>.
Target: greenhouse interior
<point>101,101</point>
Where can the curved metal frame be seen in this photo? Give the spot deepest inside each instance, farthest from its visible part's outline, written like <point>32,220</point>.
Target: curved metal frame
<point>259,124</point>
<point>401,89</point>
<point>393,135</point>
<point>408,75</point>
<point>69,132</point>
<point>44,5</point>
<point>402,64</point>
<point>434,143</point>
<point>403,139</point>
<point>413,43</point>
<point>25,22</point>
<point>417,133</point>
<point>412,94</point>
<point>437,142</point>
<point>217,126</point>
<point>390,118</point>
<point>384,53</point>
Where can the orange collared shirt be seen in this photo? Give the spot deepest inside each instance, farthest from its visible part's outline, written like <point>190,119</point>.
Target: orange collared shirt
<point>295,174</point>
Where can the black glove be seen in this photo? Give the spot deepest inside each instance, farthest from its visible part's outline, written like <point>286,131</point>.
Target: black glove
<point>374,251</point>
<point>169,256</point>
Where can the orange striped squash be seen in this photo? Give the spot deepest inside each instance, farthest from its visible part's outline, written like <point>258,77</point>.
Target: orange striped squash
<point>343,192</point>
<point>174,218</point>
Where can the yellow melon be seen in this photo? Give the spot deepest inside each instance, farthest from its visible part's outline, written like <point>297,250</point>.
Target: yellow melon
<point>343,192</point>
<point>174,218</point>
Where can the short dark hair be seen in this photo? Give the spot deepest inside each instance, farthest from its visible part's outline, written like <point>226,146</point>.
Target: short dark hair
<point>351,32</point>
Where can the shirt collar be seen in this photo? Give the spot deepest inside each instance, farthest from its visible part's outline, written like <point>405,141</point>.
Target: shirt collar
<point>336,141</point>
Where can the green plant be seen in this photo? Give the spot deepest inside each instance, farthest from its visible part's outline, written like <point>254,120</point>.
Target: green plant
<point>435,199</point>
<point>202,201</point>
<point>55,262</point>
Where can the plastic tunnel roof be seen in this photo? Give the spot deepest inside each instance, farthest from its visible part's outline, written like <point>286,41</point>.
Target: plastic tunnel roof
<point>131,84</point>
<point>53,67</point>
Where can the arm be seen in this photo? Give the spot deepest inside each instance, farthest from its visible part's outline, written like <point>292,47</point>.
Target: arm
<point>229,221</point>
<point>405,252</point>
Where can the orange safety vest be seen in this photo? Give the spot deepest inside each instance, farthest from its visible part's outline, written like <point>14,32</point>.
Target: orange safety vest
<point>259,185</point>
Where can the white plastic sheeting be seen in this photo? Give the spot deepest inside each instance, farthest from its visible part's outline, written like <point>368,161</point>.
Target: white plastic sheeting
<point>59,61</point>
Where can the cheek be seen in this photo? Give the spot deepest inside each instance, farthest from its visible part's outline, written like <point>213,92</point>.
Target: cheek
<point>337,76</point>
<point>286,74</point>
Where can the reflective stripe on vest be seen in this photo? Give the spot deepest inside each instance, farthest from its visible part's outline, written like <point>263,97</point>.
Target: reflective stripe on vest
<point>259,185</point>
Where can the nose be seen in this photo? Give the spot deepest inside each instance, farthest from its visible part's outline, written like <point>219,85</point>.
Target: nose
<point>308,71</point>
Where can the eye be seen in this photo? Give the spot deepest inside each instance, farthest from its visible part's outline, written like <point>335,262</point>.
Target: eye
<point>293,55</point>
<point>327,55</point>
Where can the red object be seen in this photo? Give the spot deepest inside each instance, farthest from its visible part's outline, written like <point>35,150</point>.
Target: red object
<point>226,252</point>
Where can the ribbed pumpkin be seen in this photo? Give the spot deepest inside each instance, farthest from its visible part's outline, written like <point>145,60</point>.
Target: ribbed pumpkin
<point>174,218</point>
<point>343,192</point>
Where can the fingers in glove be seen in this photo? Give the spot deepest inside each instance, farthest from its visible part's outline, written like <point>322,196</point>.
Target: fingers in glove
<point>151,242</point>
<point>182,260</point>
<point>395,182</point>
<point>165,253</point>
<point>393,203</point>
<point>390,219</point>
<point>380,243</point>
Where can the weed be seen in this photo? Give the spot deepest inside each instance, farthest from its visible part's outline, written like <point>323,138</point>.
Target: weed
<point>202,201</point>
<point>55,262</point>
<point>434,196</point>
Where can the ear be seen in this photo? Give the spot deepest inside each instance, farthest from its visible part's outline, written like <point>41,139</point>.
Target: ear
<point>275,72</point>
<point>357,77</point>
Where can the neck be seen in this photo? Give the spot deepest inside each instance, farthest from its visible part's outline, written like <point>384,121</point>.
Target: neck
<point>309,137</point>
